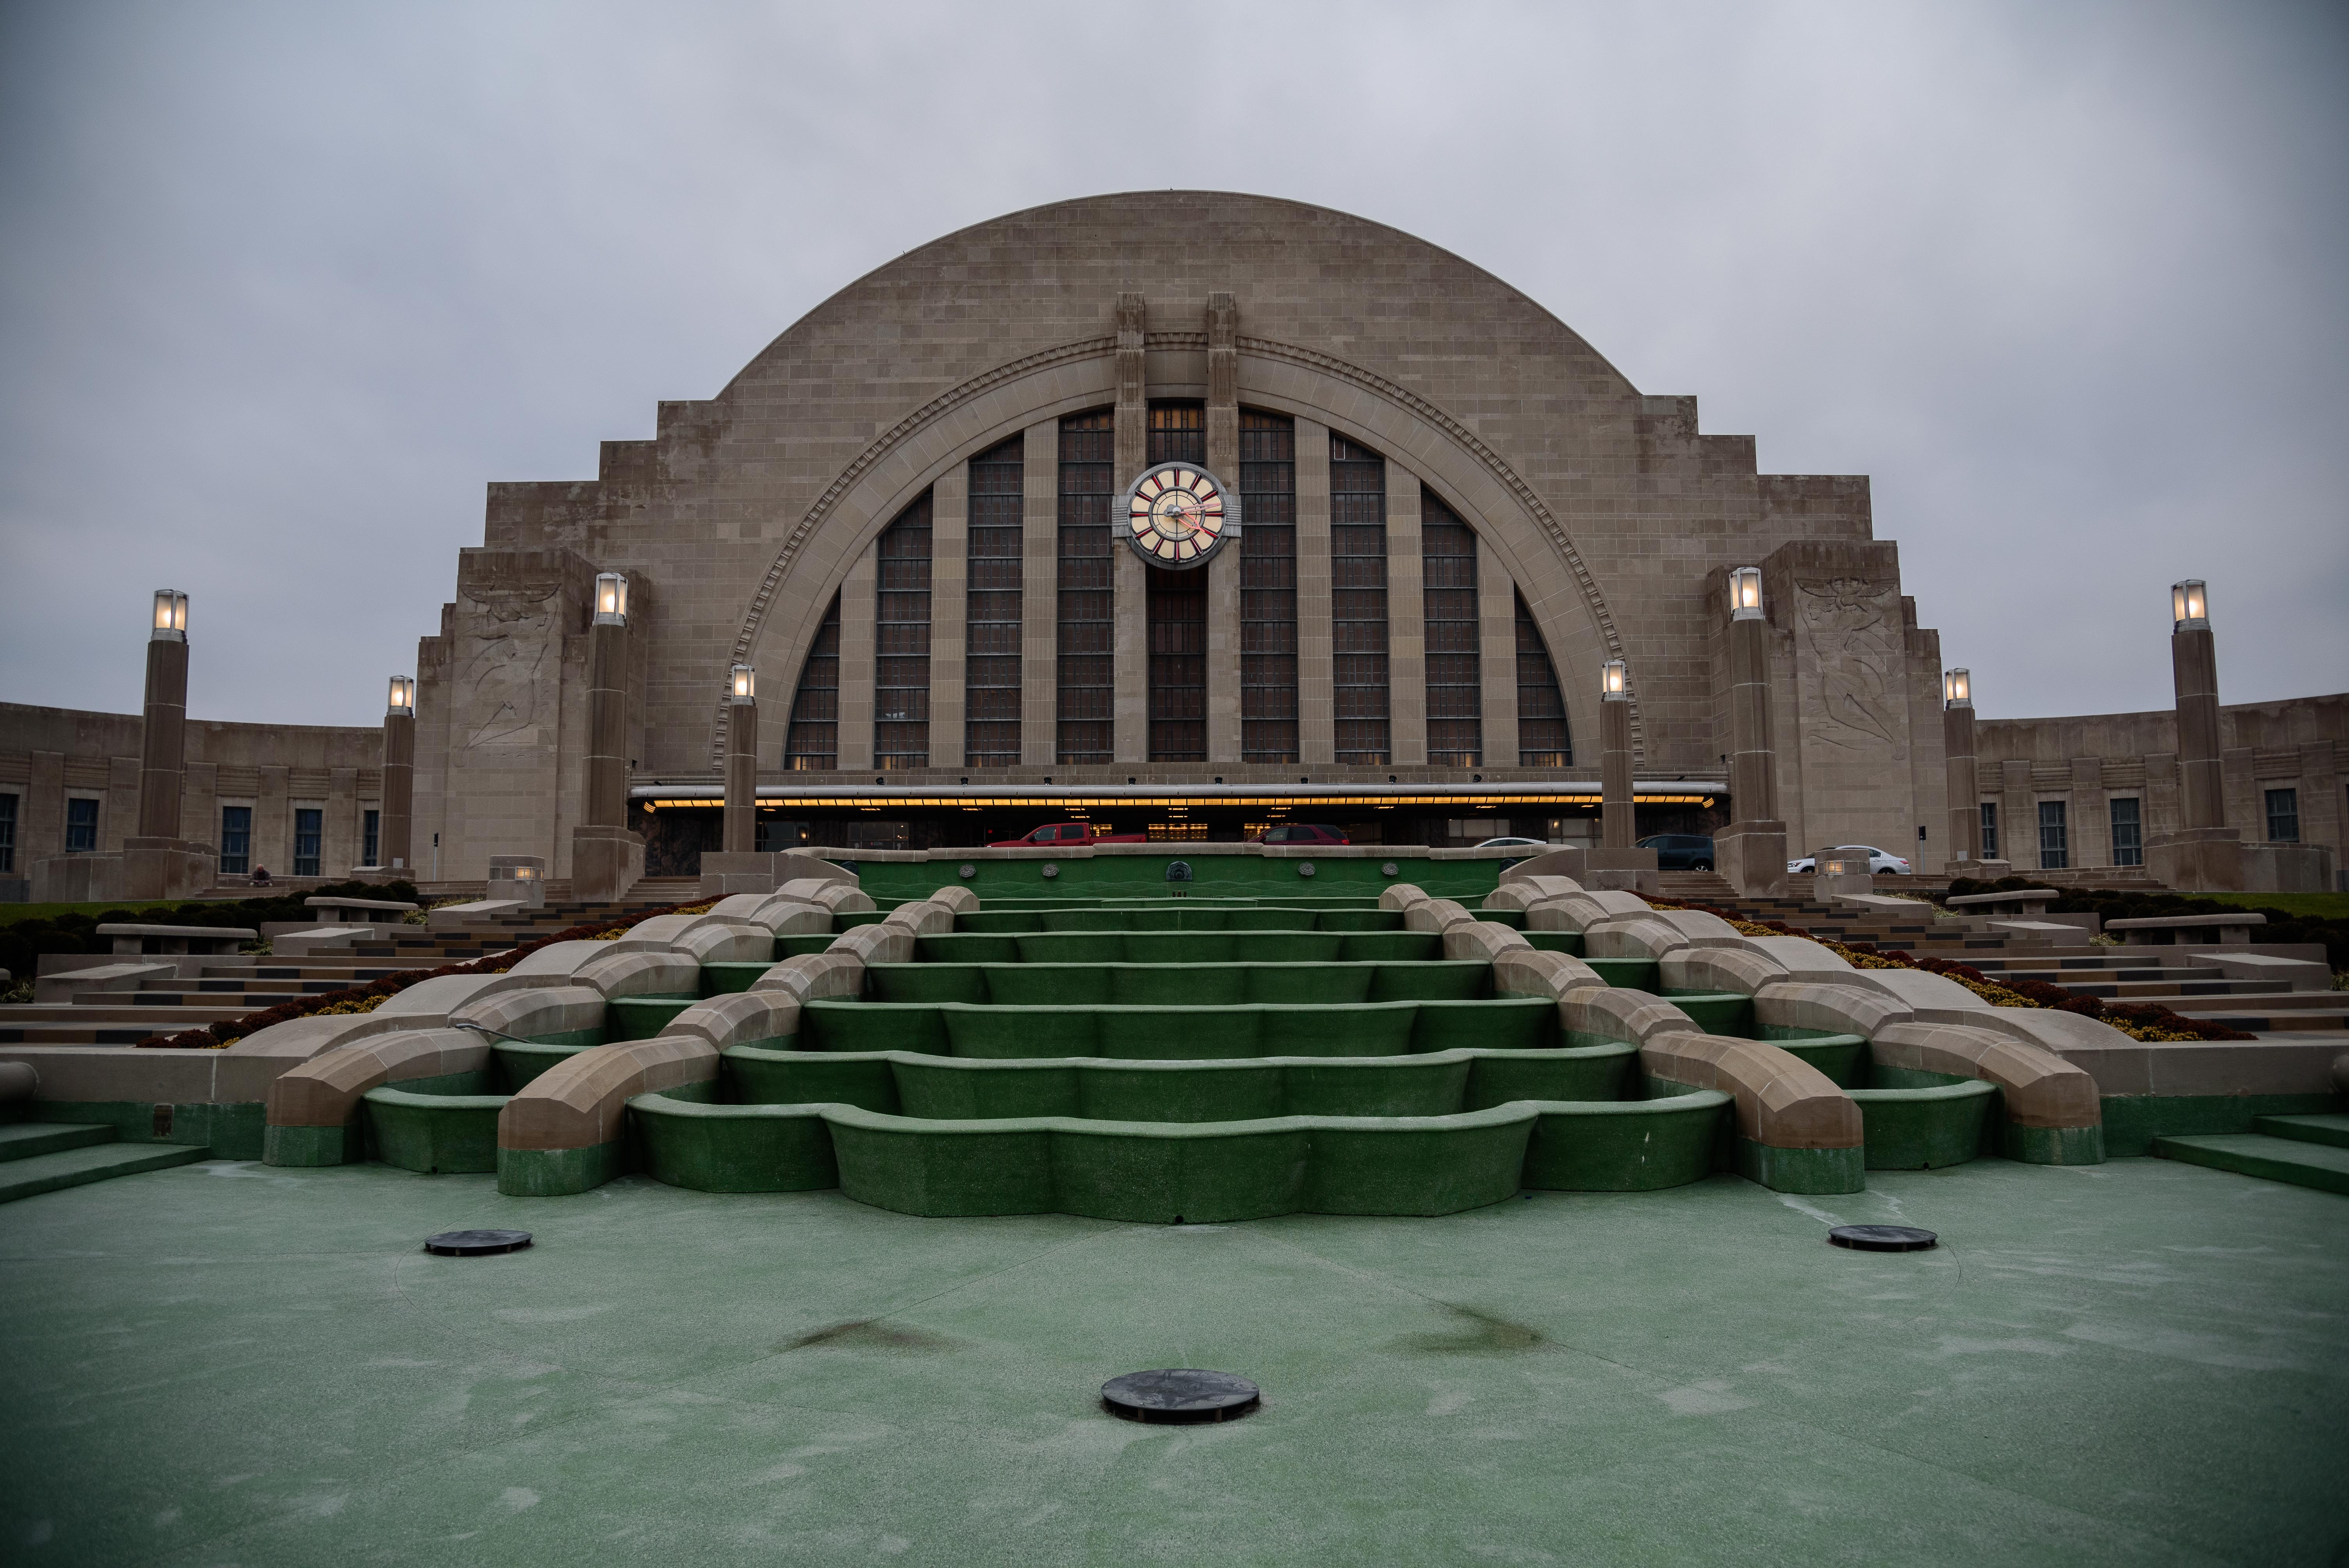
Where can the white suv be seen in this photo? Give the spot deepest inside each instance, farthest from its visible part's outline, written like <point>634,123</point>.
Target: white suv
<point>1877,861</point>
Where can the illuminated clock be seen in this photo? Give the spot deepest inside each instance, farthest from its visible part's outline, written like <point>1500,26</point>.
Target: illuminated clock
<point>1178,514</point>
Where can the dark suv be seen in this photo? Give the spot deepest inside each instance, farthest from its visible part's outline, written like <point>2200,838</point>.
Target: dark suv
<point>1680,851</point>
<point>1304,833</point>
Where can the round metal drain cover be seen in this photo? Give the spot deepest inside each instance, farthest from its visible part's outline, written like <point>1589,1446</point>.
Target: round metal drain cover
<point>476,1243</point>
<point>1179,1394</point>
<point>1883,1238</point>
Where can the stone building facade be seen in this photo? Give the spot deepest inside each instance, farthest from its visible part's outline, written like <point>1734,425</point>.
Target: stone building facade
<point>900,513</point>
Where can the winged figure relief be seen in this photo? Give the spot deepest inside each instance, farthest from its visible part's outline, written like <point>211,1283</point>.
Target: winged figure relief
<point>1853,636</point>
<point>500,685</point>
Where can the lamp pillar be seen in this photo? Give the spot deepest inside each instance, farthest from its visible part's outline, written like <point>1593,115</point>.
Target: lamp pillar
<point>162,743</point>
<point>1617,825</point>
<point>398,788</point>
<point>606,859</point>
<point>1752,852</point>
<point>2204,855</point>
<point>1964,789</point>
<point>741,776</point>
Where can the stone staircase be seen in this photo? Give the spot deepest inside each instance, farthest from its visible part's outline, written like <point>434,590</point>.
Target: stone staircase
<point>2301,1150</point>
<point>45,1155</point>
<point>236,986</point>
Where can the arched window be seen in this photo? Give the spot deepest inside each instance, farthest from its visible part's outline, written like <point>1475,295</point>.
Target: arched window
<point>901,626</point>
<point>1358,602</point>
<point>998,568</point>
<point>1542,738</point>
<point>1267,548</point>
<point>1176,606</point>
<point>1455,686</point>
<point>1087,705</point>
<point>811,745</point>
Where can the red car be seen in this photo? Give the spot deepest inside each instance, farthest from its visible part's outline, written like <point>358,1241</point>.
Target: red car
<point>1300,833</point>
<point>1077,833</point>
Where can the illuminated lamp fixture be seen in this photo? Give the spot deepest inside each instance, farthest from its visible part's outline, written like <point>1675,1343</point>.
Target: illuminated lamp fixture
<point>743,683</point>
<point>1612,686</point>
<point>171,616</point>
<point>401,703</point>
<point>611,599</point>
<point>1745,594</point>
<point>1958,689</point>
<point>2190,602</point>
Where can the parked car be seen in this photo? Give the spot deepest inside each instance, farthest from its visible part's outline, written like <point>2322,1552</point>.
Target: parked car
<point>1513,844</point>
<point>1300,833</point>
<point>1877,861</point>
<point>1079,833</point>
<point>1680,851</point>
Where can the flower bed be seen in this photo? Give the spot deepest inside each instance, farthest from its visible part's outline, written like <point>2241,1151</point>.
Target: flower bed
<point>366,999</point>
<point>2139,1020</point>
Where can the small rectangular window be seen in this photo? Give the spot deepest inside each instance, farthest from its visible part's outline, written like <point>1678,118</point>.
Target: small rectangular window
<point>2054,854</point>
<point>2129,834</point>
<point>306,820</point>
<point>1990,829</point>
<point>2284,816</point>
<point>81,827</point>
<point>236,839</point>
<point>371,837</point>
<point>7,832</point>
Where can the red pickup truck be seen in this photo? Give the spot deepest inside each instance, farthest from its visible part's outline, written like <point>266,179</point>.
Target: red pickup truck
<point>1077,833</point>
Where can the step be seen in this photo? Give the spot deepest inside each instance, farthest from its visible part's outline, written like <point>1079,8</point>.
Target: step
<point>23,1140</point>
<point>2316,1165</point>
<point>2278,1021</point>
<point>2318,1128</point>
<point>78,1167</point>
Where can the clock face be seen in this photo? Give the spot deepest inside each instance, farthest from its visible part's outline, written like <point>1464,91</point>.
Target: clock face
<point>1176,515</point>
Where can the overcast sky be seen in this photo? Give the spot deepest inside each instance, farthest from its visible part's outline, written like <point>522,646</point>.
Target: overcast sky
<point>283,287</point>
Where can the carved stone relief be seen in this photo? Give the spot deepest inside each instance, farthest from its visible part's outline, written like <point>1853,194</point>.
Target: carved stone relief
<point>1852,627</point>
<point>501,687</point>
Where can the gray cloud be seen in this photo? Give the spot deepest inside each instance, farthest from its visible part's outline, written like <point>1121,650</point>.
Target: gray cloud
<point>284,285</point>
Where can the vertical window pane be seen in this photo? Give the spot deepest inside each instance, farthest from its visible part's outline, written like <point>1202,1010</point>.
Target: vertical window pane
<point>1456,687</point>
<point>1358,603</point>
<point>7,832</point>
<point>812,743</point>
<point>997,566</point>
<point>81,826</point>
<point>1175,603</point>
<point>901,643</point>
<point>2284,816</point>
<point>305,840</point>
<point>236,839</point>
<point>371,837</point>
<point>1086,709</point>
<point>1990,829</point>
<point>2054,853</point>
<point>1178,434</point>
<point>1267,547</point>
<point>2129,834</point>
<point>1542,737</point>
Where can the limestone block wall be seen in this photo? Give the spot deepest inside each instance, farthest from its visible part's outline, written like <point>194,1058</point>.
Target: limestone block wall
<point>49,755</point>
<point>2087,762</point>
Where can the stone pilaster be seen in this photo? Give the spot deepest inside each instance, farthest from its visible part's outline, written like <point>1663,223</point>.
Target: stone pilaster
<point>1407,622</point>
<point>2204,855</point>
<point>1753,854</point>
<point>1130,642</point>
<point>1224,570</point>
<point>1965,793</point>
<point>949,613</point>
<point>1496,661</point>
<point>606,859</point>
<point>1039,596</point>
<point>1618,826</point>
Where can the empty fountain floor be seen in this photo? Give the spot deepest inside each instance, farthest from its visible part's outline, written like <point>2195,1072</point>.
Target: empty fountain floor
<point>2135,1363</point>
